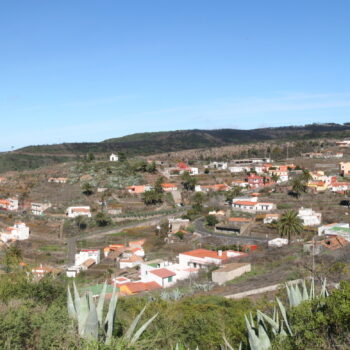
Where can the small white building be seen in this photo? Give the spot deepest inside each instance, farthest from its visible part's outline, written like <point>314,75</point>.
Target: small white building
<point>218,165</point>
<point>199,258</point>
<point>309,217</point>
<point>113,158</point>
<point>277,242</point>
<point>19,231</point>
<point>328,229</point>
<point>39,208</point>
<point>194,171</point>
<point>269,218</point>
<point>239,169</point>
<point>73,212</point>
<point>251,205</point>
<point>10,204</point>
<point>73,271</point>
<point>86,254</point>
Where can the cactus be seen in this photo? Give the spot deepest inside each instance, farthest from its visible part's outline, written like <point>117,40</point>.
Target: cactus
<point>258,336</point>
<point>90,317</point>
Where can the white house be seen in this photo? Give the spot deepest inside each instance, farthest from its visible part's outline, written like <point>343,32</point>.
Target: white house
<point>165,273</point>
<point>39,208</point>
<point>328,229</point>
<point>73,212</point>
<point>58,180</point>
<point>238,169</point>
<point>87,254</point>
<point>113,158</point>
<point>194,171</point>
<point>277,242</point>
<point>164,277</point>
<point>252,205</point>
<point>309,217</point>
<point>130,260</point>
<point>218,165</point>
<point>19,231</point>
<point>269,218</point>
<point>199,258</point>
<point>9,204</point>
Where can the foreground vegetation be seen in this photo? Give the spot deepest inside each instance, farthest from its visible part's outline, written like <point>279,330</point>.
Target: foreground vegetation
<point>34,315</point>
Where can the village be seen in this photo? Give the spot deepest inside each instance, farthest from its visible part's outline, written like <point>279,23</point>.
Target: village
<point>152,226</point>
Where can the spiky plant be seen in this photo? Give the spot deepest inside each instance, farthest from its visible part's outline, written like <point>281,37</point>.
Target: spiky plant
<point>91,323</point>
<point>260,333</point>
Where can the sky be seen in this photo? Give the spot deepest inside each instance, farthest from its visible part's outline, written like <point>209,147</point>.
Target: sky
<point>74,71</point>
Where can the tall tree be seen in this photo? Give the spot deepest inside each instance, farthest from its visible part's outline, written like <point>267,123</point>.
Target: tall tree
<point>188,181</point>
<point>305,176</point>
<point>289,224</point>
<point>298,187</point>
<point>233,193</point>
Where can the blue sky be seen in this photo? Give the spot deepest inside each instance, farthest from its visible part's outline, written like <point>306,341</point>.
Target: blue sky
<point>89,70</point>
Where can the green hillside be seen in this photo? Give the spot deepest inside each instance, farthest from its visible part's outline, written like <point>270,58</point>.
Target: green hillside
<point>167,141</point>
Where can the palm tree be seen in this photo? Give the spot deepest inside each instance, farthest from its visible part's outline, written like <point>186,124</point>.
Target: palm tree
<point>289,224</point>
<point>305,176</point>
<point>275,177</point>
<point>298,187</point>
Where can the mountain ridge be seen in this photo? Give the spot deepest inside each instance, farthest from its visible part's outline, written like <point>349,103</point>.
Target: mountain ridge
<point>150,143</point>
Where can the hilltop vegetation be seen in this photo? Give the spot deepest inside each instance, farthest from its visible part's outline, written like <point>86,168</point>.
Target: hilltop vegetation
<point>162,142</point>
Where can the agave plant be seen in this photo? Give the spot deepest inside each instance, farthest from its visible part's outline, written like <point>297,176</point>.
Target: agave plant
<point>91,323</point>
<point>278,325</point>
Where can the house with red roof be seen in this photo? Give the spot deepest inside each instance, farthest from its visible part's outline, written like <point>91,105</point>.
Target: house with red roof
<point>200,258</point>
<point>251,205</point>
<point>169,187</point>
<point>164,277</point>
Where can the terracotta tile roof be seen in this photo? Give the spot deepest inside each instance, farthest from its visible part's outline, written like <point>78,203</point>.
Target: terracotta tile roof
<point>167,185</point>
<point>245,203</point>
<point>80,210</point>
<point>138,287</point>
<point>182,165</point>
<point>163,273</point>
<point>89,262</point>
<point>204,253</point>
<point>239,219</point>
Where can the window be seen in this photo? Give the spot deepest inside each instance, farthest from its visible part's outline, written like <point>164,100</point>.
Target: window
<point>170,279</point>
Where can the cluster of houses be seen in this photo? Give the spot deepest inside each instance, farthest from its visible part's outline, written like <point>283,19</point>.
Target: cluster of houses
<point>157,274</point>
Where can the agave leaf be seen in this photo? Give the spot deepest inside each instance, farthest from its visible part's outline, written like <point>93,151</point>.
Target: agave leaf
<point>253,339</point>
<point>284,315</point>
<point>324,293</point>
<point>312,289</point>
<point>100,303</point>
<point>263,338</point>
<point>70,305</point>
<point>91,324</point>
<point>138,334</point>
<point>90,299</point>
<point>269,320</point>
<point>305,293</point>
<point>228,345</point>
<point>251,320</point>
<point>133,325</point>
<point>298,294</point>
<point>109,322</point>
<point>76,298</point>
<point>83,313</point>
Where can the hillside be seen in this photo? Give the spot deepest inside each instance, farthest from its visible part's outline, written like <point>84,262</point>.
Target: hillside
<point>161,142</point>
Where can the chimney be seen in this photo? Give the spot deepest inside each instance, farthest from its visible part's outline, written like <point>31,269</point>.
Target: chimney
<point>220,252</point>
